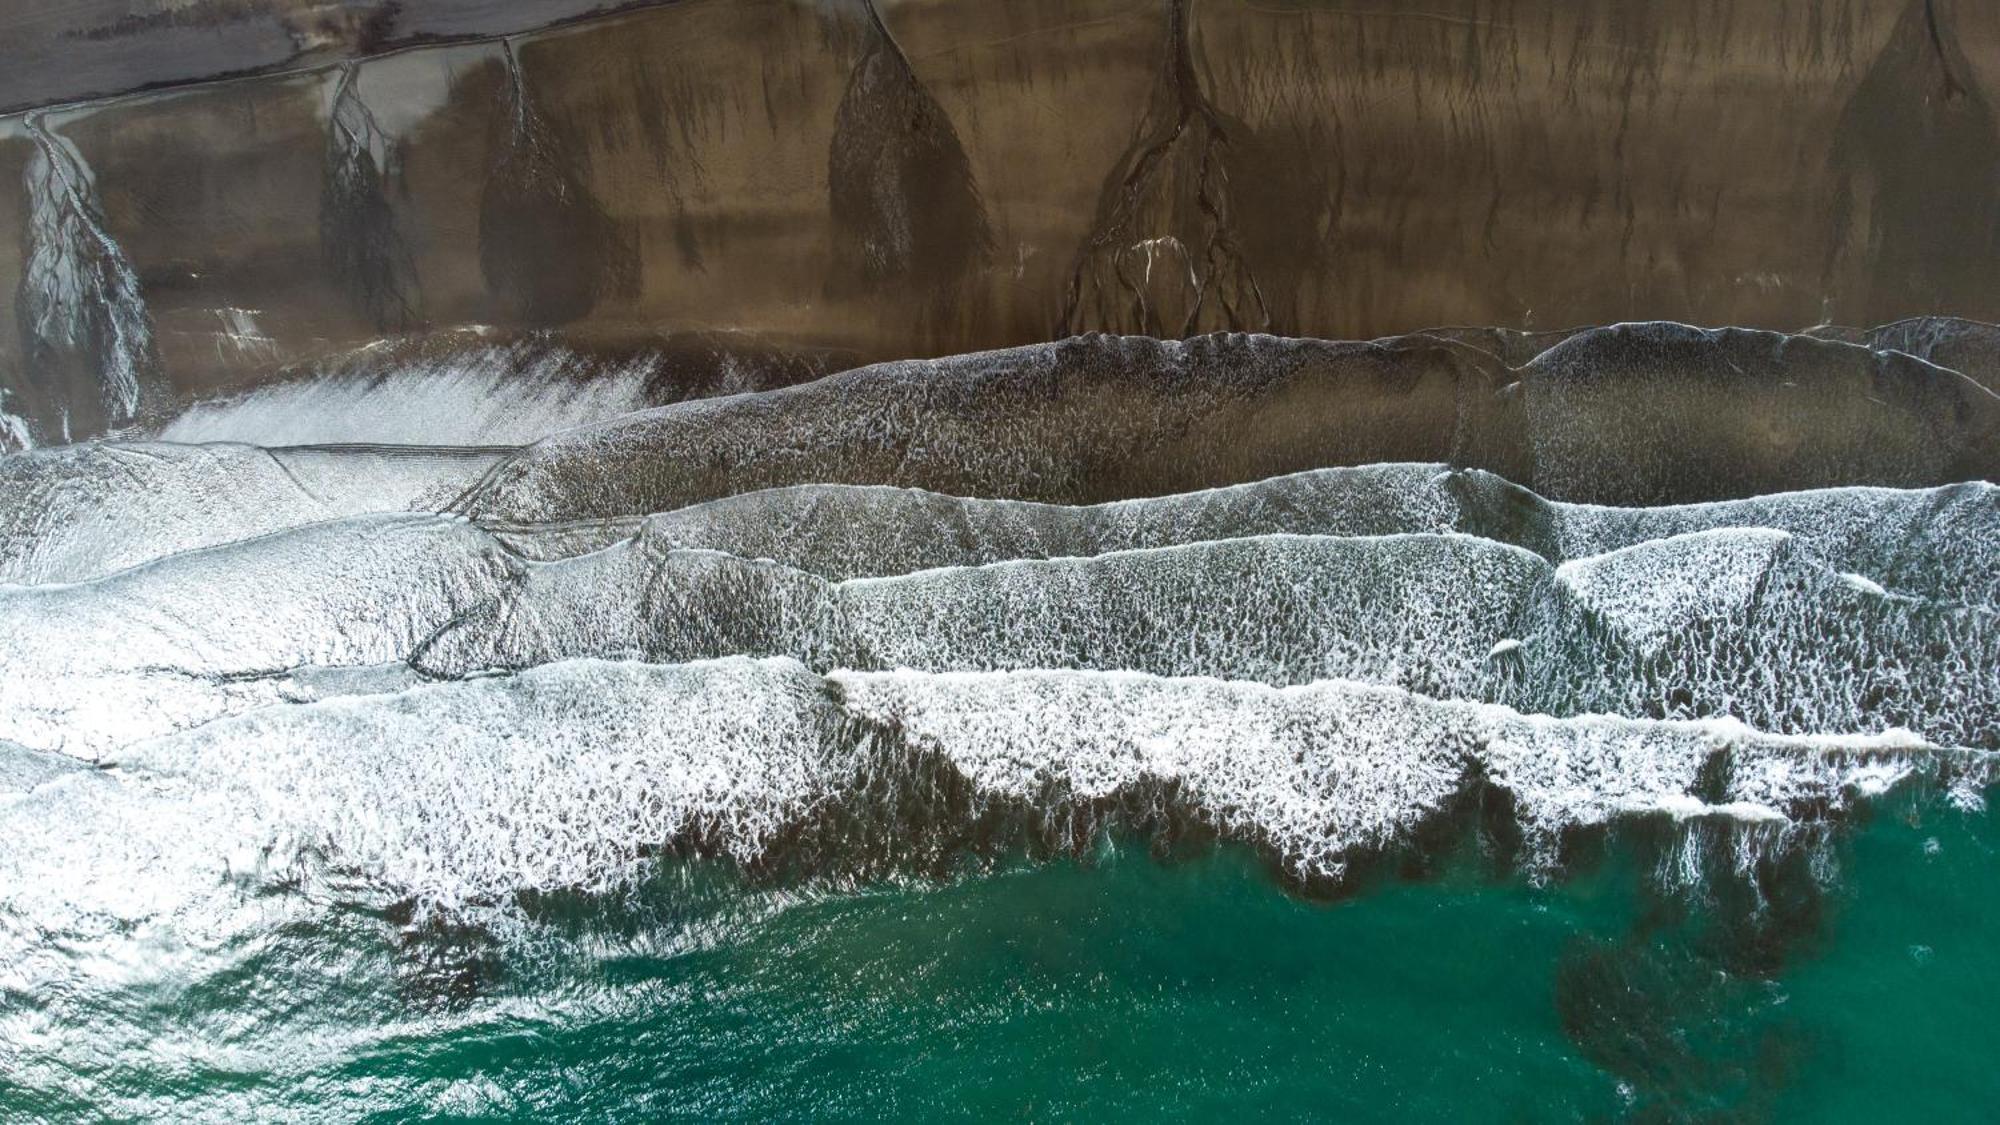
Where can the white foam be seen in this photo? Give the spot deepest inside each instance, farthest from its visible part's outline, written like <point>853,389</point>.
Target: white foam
<point>109,880</point>
<point>14,433</point>
<point>1942,543</point>
<point>73,513</point>
<point>1730,621</point>
<point>477,394</point>
<point>1414,611</point>
<point>180,641</point>
<point>561,777</point>
<point>1418,611</point>
<point>1938,543</point>
<point>1721,622</point>
<point>864,531</point>
<point>1741,622</point>
<point>1652,591</point>
<point>1863,583</point>
<point>570,774</point>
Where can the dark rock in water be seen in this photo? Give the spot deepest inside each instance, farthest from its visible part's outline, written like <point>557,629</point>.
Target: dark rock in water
<point>1745,903</point>
<point>444,965</point>
<point>1664,413</point>
<point>1083,420</point>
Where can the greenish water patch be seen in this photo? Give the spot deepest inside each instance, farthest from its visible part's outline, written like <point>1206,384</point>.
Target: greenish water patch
<point>1901,1000</point>
<point>1857,988</point>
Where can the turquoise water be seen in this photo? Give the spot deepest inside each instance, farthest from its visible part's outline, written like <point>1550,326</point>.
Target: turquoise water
<point>1125,984</point>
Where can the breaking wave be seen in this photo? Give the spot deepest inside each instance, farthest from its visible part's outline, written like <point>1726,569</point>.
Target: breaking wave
<point>1317,598</point>
<point>1938,543</point>
<point>579,774</point>
<point>73,513</point>
<point>482,388</point>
